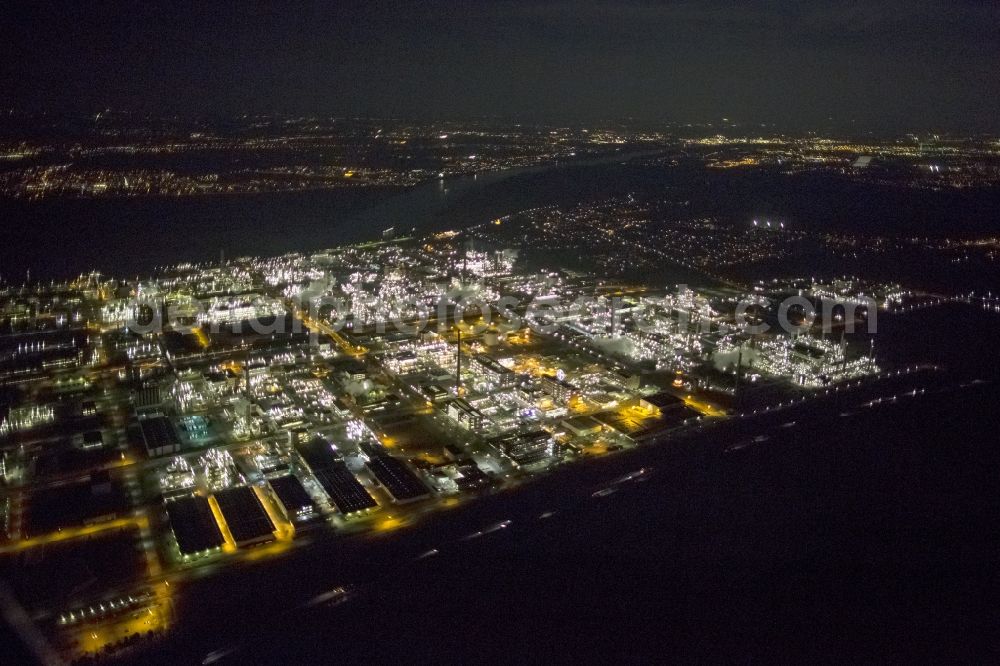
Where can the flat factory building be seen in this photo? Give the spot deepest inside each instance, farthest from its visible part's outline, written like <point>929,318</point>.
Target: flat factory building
<point>193,525</point>
<point>247,520</point>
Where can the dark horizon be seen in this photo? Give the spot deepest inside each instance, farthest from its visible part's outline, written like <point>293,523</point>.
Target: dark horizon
<point>23,123</point>
<point>888,65</point>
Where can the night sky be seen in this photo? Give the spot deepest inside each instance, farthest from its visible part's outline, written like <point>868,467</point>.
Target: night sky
<point>903,65</point>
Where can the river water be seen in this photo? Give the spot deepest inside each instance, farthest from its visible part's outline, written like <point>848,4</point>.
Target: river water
<point>124,237</point>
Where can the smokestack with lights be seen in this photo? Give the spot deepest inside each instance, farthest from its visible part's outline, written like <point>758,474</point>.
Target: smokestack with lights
<point>458,372</point>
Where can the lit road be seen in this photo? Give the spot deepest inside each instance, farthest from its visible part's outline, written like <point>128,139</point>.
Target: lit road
<point>333,334</point>
<point>73,533</point>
